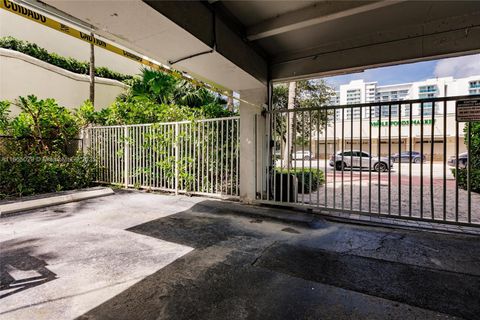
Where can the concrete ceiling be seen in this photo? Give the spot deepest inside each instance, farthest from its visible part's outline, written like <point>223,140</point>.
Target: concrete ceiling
<point>257,41</point>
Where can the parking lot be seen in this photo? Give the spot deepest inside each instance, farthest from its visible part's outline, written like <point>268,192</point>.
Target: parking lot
<point>394,192</point>
<point>136,255</point>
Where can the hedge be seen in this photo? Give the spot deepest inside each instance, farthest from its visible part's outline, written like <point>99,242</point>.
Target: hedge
<point>69,64</point>
<point>309,179</point>
<point>474,179</point>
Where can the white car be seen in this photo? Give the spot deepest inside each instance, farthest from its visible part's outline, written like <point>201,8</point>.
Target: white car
<point>302,154</point>
<point>357,159</point>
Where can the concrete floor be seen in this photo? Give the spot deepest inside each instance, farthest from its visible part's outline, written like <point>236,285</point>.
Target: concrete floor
<point>145,256</point>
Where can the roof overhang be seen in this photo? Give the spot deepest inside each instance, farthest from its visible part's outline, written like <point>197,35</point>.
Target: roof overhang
<point>253,42</point>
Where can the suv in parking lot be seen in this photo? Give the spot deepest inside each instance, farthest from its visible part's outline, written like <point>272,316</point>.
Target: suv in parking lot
<point>360,159</point>
<point>462,160</point>
<point>302,154</point>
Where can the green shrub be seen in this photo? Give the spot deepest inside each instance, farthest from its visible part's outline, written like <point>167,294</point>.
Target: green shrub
<point>474,159</point>
<point>309,179</point>
<point>68,63</point>
<point>474,179</point>
<point>33,156</point>
<point>29,174</point>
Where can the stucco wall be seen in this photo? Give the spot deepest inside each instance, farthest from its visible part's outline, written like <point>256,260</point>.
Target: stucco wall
<point>21,75</point>
<point>65,45</point>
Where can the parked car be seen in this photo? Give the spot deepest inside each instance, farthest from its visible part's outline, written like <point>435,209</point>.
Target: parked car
<point>360,159</point>
<point>462,160</point>
<point>299,155</point>
<point>409,156</point>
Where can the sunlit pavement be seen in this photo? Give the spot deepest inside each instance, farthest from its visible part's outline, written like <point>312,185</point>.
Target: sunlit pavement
<point>136,255</point>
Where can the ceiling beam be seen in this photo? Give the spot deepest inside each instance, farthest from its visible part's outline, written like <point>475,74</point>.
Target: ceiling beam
<point>456,40</point>
<point>206,24</point>
<point>313,15</point>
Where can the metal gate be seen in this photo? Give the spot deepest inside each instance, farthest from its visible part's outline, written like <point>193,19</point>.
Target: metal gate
<point>404,159</point>
<point>183,157</point>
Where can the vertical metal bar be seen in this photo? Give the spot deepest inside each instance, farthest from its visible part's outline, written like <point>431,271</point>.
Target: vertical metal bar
<point>212,152</point>
<point>303,157</point>
<point>343,162</point>
<point>389,157</point>
<point>334,159</point>
<point>410,163</point>
<point>457,147</point>
<point>469,179</point>
<point>370,162</point>
<point>310,157</point>
<point>177,155</point>
<point>274,139</point>
<point>361,159</point>
<point>318,156</point>
<point>216,155</point>
<point>379,148</point>
<point>126,155</point>
<point>198,155</point>
<point>289,136</point>
<point>237,143</point>
<point>325,155</point>
<point>231,160</point>
<point>203,157</point>
<point>421,160</point>
<point>444,160</point>
<point>256,160</point>
<point>278,118</point>
<point>227,173</point>
<point>432,150</point>
<point>399,159</point>
<point>294,156</point>
<point>351,158</point>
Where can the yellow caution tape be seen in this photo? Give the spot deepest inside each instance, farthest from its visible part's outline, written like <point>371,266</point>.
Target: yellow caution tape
<point>30,14</point>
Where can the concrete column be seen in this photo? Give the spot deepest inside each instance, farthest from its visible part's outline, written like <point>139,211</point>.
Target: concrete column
<point>251,172</point>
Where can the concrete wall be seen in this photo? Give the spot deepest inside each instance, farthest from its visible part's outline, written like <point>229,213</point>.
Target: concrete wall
<point>21,75</point>
<point>65,45</point>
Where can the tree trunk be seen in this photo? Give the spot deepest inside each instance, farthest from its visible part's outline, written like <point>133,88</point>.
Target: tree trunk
<point>230,101</point>
<point>287,151</point>
<point>92,73</point>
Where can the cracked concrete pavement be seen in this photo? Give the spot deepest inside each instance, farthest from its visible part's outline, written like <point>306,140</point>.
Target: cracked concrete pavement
<point>194,258</point>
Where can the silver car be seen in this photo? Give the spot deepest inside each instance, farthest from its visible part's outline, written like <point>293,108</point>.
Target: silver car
<point>360,159</point>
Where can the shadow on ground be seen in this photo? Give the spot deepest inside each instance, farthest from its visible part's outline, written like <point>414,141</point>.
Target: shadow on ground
<point>249,268</point>
<point>20,268</point>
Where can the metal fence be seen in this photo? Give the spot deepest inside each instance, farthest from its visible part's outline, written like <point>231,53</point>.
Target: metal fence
<point>182,157</point>
<point>405,159</point>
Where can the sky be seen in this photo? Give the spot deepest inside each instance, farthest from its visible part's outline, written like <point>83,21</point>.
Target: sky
<point>455,67</point>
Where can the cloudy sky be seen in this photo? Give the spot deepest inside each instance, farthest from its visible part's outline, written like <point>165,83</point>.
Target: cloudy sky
<point>456,67</point>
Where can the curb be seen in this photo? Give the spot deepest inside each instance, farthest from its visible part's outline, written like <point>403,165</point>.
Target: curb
<point>8,208</point>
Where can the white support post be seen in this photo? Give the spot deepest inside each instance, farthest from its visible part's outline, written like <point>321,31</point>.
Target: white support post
<point>126,155</point>
<point>177,155</point>
<point>251,166</point>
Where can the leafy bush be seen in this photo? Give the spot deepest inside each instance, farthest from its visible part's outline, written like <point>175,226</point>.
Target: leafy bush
<point>33,151</point>
<point>309,179</point>
<point>28,175</point>
<point>474,158</point>
<point>474,179</point>
<point>42,126</point>
<point>69,64</point>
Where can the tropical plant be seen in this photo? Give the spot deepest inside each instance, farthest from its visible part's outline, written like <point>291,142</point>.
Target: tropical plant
<point>164,88</point>
<point>34,150</point>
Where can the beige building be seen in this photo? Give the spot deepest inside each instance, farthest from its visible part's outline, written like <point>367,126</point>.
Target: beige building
<point>398,134</point>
